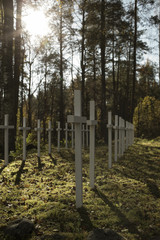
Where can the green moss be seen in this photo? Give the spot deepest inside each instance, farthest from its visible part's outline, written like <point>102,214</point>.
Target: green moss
<point>126,197</point>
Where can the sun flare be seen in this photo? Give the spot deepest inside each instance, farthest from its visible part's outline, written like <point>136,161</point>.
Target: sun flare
<point>36,23</point>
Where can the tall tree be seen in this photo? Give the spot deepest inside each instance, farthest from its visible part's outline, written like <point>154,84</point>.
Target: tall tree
<point>134,58</point>
<point>103,69</point>
<point>9,94</point>
<point>17,59</point>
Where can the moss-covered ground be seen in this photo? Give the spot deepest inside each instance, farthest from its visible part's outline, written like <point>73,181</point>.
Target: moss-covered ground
<point>126,198</point>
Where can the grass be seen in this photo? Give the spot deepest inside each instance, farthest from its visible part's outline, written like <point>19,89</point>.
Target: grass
<point>126,198</point>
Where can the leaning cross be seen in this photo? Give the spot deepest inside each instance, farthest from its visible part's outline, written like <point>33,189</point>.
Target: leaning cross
<point>49,129</point>
<point>92,123</point>
<point>6,128</point>
<point>24,129</point>
<point>109,126</point>
<point>77,119</point>
<point>38,129</point>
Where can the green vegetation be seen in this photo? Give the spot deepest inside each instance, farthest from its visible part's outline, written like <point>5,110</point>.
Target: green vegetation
<point>147,118</point>
<point>126,198</point>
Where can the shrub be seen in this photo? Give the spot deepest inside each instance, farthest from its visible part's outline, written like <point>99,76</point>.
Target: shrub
<point>147,118</point>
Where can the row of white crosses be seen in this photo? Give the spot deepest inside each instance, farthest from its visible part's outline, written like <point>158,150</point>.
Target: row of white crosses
<point>6,128</point>
<point>78,120</point>
<point>85,135</point>
<point>123,137</point>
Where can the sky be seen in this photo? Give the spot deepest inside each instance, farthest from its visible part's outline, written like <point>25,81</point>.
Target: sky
<point>150,36</point>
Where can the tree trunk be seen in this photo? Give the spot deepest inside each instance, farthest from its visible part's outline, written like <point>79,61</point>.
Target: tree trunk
<point>9,88</point>
<point>30,96</point>
<point>45,103</point>
<point>134,60</point>
<point>114,80</point>
<point>1,64</point>
<point>17,62</point>
<point>61,110</point>
<point>94,75</point>
<point>82,59</point>
<point>103,81</point>
<point>128,100</point>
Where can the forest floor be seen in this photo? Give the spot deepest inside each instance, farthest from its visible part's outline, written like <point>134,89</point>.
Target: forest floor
<point>126,198</point>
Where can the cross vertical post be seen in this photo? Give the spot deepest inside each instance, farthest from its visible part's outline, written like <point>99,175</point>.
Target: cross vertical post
<point>58,139</point>
<point>92,123</point>
<point>24,129</point>
<point>77,119</point>
<point>6,128</point>
<point>109,126</point>
<point>66,134</point>
<point>116,138</point>
<point>122,135</point>
<point>38,129</point>
<point>49,129</point>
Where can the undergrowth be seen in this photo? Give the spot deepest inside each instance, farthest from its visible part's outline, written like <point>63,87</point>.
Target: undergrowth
<point>126,198</point>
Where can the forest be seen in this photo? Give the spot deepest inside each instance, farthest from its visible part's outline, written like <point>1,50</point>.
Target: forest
<point>95,46</point>
<point>110,51</point>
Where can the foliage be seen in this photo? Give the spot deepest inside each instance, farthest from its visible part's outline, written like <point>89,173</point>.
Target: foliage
<point>147,118</point>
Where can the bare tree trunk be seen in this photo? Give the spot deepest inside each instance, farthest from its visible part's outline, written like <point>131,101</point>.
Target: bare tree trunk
<point>30,96</point>
<point>22,90</point>
<point>103,80</point>
<point>17,62</point>
<point>9,88</point>
<point>1,64</point>
<point>61,75</point>
<point>94,75</point>
<point>159,46</point>
<point>82,58</point>
<point>134,60</point>
<point>114,80</point>
<point>45,103</point>
<point>128,100</point>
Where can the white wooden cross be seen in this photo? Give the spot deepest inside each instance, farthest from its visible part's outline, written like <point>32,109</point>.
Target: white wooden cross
<point>58,139</point>
<point>92,123</point>
<point>109,126</point>
<point>116,138</point>
<point>6,128</point>
<point>77,119</point>
<point>49,129</point>
<point>66,134</point>
<point>120,136</point>
<point>123,135</point>
<point>38,129</point>
<point>24,129</point>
